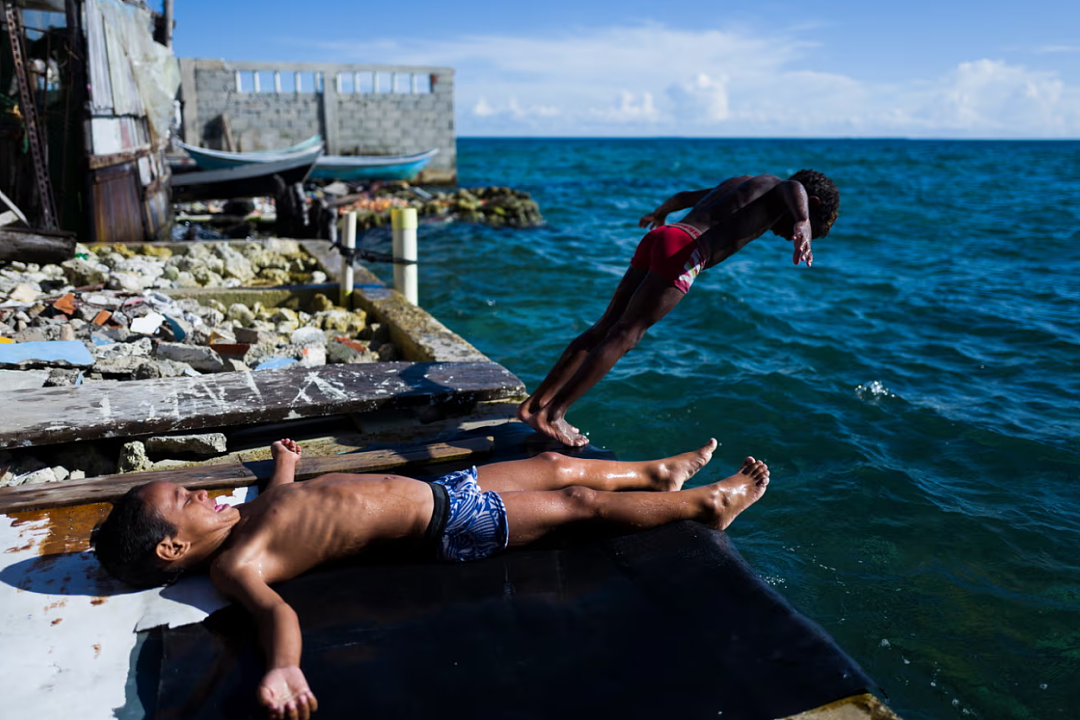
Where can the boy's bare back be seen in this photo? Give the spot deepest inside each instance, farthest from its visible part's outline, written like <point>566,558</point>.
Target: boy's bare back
<point>743,208</point>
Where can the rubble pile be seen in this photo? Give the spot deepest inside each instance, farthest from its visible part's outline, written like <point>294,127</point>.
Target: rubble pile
<point>136,268</point>
<point>27,467</point>
<point>99,335</point>
<point>495,206</point>
<point>102,317</point>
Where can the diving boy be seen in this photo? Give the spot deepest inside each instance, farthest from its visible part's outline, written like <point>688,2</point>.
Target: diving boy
<point>723,220</point>
<point>159,530</point>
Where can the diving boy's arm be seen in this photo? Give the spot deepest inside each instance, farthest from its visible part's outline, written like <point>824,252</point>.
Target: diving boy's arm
<point>678,201</point>
<point>286,455</point>
<point>797,202</point>
<point>284,689</point>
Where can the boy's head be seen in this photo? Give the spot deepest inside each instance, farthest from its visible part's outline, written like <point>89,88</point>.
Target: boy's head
<point>823,212</point>
<point>157,530</point>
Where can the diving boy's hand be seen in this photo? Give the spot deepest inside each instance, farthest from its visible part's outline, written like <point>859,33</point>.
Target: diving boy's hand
<point>285,693</point>
<point>800,236</point>
<point>653,220</point>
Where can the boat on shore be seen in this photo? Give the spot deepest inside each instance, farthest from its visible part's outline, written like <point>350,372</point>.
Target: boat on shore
<point>371,167</point>
<point>327,167</point>
<point>208,159</point>
<point>252,180</point>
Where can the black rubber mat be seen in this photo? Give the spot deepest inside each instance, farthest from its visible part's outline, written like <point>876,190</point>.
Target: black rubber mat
<point>666,623</point>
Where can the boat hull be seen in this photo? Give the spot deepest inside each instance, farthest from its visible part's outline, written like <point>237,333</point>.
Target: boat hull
<point>254,180</point>
<point>222,160</point>
<point>371,167</point>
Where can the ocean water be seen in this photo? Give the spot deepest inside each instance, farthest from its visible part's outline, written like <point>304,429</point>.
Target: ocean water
<point>916,393</point>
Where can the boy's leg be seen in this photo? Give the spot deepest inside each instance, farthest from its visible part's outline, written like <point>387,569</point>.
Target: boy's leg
<point>653,299</point>
<point>552,471</point>
<point>532,515</point>
<point>575,352</point>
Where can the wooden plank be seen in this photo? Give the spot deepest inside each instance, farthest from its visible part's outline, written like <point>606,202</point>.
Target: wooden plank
<point>47,416</point>
<point>109,488</point>
<point>36,247</point>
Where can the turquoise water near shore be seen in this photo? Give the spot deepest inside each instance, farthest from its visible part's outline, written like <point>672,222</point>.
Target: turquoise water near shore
<point>916,393</point>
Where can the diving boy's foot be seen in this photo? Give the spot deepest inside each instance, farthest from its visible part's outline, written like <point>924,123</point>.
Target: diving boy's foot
<point>731,496</point>
<point>559,430</point>
<point>670,473</point>
<point>528,410</point>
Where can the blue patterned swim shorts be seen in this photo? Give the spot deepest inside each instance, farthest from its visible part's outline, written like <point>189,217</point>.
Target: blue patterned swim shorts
<point>476,523</point>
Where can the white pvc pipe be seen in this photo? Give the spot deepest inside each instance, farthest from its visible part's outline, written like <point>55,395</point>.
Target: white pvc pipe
<point>403,221</point>
<point>349,241</point>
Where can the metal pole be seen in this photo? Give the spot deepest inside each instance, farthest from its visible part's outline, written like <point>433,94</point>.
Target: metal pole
<point>403,222</point>
<point>349,241</point>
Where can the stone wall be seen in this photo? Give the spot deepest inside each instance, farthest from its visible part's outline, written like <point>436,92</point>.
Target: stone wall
<point>358,109</point>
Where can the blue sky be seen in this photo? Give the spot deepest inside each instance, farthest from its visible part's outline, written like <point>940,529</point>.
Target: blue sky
<point>834,68</point>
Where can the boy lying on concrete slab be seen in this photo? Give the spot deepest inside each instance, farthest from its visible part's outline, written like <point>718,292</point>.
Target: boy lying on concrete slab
<point>159,530</point>
<point>668,259</point>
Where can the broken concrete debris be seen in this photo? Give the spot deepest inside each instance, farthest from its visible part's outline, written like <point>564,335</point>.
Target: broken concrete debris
<point>133,458</point>
<point>198,444</point>
<point>119,335</point>
<point>372,202</point>
<point>105,317</point>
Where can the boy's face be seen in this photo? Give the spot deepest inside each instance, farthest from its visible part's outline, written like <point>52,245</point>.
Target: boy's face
<point>194,514</point>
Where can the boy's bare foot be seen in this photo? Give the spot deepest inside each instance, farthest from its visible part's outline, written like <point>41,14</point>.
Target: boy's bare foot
<point>559,429</point>
<point>527,411</point>
<point>731,496</point>
<point>670,473</point>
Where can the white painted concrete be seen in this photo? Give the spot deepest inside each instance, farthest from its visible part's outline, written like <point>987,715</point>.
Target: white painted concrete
<point>67,629</point>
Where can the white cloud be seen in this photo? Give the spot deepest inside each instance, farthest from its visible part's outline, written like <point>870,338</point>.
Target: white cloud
<point>655,80</point>
<point>1058,49</point>
<point>702,98</point>
<point>988,98</point>
<point>628,110</point>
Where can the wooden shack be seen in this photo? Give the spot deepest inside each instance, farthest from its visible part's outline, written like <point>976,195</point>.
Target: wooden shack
<point>87,92</point>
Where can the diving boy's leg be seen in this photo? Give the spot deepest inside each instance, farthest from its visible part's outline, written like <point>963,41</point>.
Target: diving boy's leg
<point>575,352</point>
<point>532,515</point>
<point>552,471</point>
<point>654,298</point>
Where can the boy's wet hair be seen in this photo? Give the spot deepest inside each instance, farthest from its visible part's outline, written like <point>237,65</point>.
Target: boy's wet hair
<point>125,543</point>
<point>820,186</point>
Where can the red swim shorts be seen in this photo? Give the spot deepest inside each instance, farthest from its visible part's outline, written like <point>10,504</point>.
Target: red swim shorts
<point>672,252</point>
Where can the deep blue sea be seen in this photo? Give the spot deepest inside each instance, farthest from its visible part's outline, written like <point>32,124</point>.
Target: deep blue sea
<point>916,393</point>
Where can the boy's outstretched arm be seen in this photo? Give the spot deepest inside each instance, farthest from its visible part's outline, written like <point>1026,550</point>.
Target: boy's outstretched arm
<point>798,206</point>
<point>284,690</point>
<point>678,201</point>
<point>286,455</point>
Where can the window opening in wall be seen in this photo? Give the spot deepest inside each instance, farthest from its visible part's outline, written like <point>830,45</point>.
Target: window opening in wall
<point>307,82</point>
<point>288,81</point>
<point>346,83</point>
<point>264,81</point>
<point>364,81</point>
<point>421,83</point>
<point>384,82</point>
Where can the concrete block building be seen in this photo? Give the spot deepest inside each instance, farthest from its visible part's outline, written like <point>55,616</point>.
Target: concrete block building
<point>358,109</point>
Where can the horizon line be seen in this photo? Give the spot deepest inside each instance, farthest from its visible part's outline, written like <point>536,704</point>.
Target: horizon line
<point>755,137</point>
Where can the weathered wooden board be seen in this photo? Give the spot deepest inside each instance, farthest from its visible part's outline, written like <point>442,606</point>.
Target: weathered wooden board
<point>108,488</point>
<point>46,416</point>
<point>38,246</point>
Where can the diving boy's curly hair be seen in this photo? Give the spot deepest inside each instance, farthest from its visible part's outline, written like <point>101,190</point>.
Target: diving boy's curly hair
<point>125,543</point>
<point>820,186</point>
